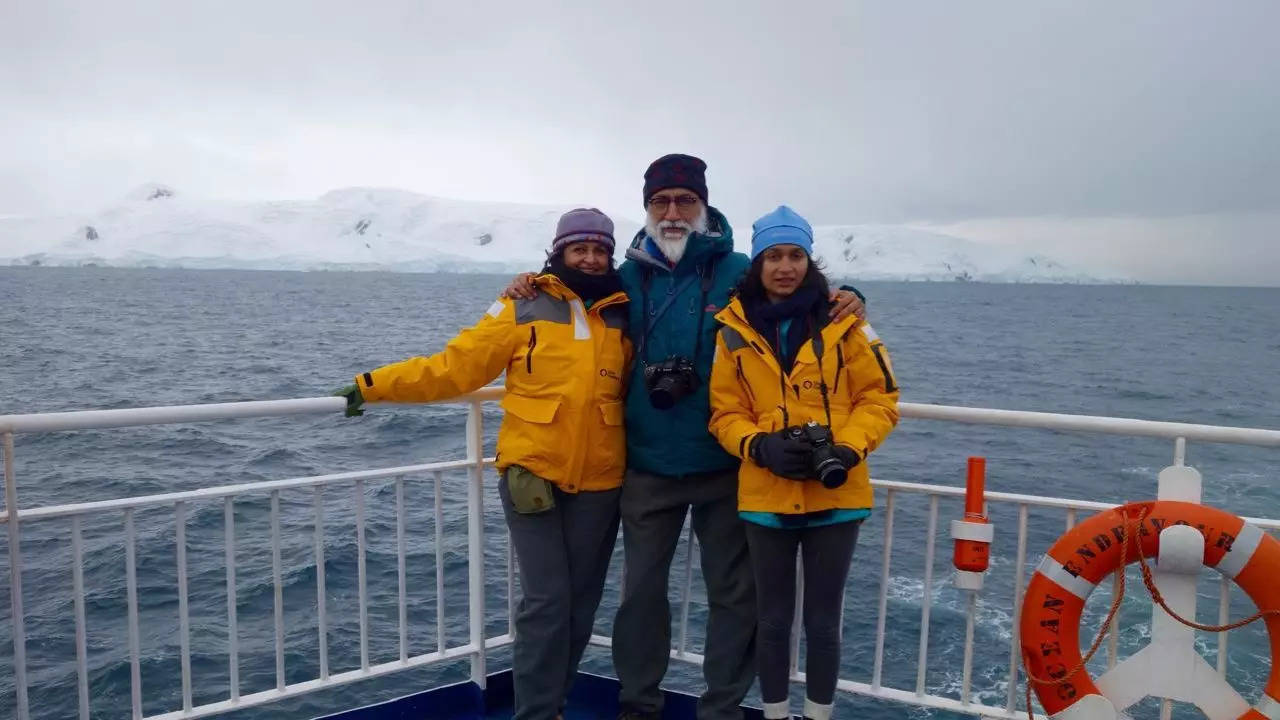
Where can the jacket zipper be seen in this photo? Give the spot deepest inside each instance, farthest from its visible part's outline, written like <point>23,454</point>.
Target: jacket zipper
<point>579,466</point>
<point>742,378</point>
<point>580,460</point>
<point>839,367</point>
<point>533,343</point>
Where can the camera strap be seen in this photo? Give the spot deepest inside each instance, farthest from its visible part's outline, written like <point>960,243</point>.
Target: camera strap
<point>706,273</point>
<point>782,387</point>
<point>822,377</point>
<point>818,349</point>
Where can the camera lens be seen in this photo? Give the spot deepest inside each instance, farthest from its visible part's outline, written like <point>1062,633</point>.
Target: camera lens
<point>831,473</point>
<point>664,394</point>
<point>670,381</point>
<point>828,468</point>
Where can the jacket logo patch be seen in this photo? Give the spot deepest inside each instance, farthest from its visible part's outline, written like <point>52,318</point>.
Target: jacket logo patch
<point>605,372</point>
<point>711,307</point>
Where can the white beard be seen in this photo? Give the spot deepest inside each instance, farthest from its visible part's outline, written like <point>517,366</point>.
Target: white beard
<point>673,248</point>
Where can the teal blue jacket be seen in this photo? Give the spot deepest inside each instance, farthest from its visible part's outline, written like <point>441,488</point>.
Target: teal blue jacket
<point>676,442</point>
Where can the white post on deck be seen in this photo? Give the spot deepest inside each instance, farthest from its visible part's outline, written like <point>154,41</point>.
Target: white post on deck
<point>475,541</point>
<point>972,534</point>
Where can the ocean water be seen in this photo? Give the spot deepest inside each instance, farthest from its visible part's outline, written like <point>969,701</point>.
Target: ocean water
<point>109,338</point>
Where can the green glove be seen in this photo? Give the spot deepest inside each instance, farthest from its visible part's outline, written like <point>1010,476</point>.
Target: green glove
<point>354,400</point>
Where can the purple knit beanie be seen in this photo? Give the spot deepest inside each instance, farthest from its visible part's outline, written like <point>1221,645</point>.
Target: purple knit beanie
<point>581,225</point>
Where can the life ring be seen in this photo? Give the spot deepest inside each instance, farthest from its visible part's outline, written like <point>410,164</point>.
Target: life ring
<point>1091,551</point>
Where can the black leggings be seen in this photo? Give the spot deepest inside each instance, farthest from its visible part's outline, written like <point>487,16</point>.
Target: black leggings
<point>827,551</point>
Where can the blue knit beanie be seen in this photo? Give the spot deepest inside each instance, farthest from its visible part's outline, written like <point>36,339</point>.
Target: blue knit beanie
<point>783,226</point>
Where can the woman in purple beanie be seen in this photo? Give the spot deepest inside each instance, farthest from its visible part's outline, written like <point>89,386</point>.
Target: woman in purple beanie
<point>561,449</point>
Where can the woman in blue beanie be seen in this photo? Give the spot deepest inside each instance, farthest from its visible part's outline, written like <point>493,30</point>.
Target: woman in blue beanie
<point>801,399</point>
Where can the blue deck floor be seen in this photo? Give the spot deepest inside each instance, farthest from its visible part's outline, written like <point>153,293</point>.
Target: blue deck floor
<point>593,697</point>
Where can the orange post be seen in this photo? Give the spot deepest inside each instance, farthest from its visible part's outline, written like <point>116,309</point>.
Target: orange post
<point>974,555</point>
<point>975,488</point>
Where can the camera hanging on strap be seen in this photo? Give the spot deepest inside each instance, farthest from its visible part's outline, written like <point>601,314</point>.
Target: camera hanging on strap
<point>676,376</point>
<point>827,466</point>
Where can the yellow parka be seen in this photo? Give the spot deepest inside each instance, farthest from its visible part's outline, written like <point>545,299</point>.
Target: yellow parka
<point>747,398</point>
<point>565,366</point>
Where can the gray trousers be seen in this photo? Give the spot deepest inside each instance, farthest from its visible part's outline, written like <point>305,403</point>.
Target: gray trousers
<point>653,512</point>
<point>563,555</point>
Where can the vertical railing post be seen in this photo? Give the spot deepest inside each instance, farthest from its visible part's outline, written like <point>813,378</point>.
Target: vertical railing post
<point>15,581</point>
<point>131,590</point>
<point>883,611</point>
<point>1015,640</point>
<point>277,588</point>
<point>184,611</point>
<point>926,604</point>
<point>511,587</point>
<point>441,638</point>
<point>475,540</point>
<point>686,594</point>
<point>233,626</point>
<point>401,599</point>
<point>77,586</point>
<point>361,581</point>
<point>1180,452</point>
<point>1224,606</point>
<point>966,672</point>
<point>322,626</point>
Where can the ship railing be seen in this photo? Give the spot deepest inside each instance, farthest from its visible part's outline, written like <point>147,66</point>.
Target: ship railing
<point>478,645</point>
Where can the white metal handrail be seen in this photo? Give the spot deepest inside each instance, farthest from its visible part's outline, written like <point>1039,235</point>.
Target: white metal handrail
<point>1093,424</point>
<point>477,644</point>
<point>161,415</point>
<point>91,419</point>
<point>166,415</point>
<point>224,491</point>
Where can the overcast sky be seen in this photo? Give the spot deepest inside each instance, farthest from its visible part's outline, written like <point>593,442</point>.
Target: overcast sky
<point>1138,136</point>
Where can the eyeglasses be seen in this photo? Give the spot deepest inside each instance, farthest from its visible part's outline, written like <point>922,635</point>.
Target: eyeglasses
<point>660,203</point>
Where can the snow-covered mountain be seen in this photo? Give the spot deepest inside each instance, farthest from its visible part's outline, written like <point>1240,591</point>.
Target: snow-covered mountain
<point>894,252</point>
<point>383,229</point>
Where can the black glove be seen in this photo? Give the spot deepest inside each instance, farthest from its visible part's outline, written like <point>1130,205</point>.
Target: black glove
<point>847,456</point>
<point>782,455</point>
<point>354,400</point>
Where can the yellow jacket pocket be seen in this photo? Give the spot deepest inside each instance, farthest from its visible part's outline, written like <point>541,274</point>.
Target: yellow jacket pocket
<point>612,413</point>
<point>535,410</point>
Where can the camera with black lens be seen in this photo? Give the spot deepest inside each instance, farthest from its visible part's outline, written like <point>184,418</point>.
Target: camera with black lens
<point>828,468</point>
<point>670,381</point>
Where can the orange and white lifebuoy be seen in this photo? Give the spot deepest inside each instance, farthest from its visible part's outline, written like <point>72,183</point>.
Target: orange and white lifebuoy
<point>1091,551</point>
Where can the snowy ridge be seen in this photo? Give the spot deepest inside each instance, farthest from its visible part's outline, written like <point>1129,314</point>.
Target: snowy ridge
<point>894,252</point>
<point>396,230</point>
